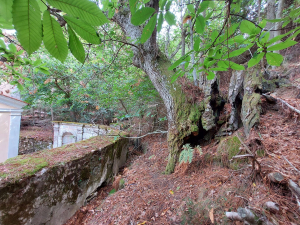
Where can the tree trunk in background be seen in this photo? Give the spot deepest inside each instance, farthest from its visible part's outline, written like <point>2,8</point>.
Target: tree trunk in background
<point>167,43</point>
<point>202,76</point>
<point>258,10</point>
<point>183,115</point>
<point>191,48</point>
<point>270,15</point>
<point>278,25</point>
<point>52,116</point>
<point>182,37</point>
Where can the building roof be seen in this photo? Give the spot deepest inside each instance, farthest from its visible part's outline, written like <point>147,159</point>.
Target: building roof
<point>13,102</point>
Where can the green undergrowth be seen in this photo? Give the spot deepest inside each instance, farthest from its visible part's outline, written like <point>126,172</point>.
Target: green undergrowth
<point>27,165</point>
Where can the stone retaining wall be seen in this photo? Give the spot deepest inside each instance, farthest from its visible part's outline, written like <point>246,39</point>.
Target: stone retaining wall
<point>58,181</point>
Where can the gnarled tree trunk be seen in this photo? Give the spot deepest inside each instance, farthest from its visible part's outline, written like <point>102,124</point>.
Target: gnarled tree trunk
<point>244,98</point>
<point>182,115</point>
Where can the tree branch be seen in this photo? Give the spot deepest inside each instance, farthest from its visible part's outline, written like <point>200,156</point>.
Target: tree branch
<point>287,104</point>
<point>155,132</point>
<point>122,103</point>
<point>124,42</point>
<point>177,49</point>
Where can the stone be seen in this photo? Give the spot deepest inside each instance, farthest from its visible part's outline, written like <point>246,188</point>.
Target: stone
<point>54,193</point>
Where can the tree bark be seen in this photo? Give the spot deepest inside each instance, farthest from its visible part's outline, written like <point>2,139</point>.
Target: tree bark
<point>183,35</point>
<point>244,99</point>
<point>258,10</point>
<point>202,76</point>
<point>182,115</point>
<point>191,48</point>
<point>278,25</point>
<point>270,15</point>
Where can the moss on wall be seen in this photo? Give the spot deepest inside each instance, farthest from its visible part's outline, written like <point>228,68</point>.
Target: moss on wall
<point>47,187</point>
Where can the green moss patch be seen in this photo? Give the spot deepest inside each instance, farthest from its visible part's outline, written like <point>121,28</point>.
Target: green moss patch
<point>22,165</point>
<point>228,148</point>
<point>27,165</point>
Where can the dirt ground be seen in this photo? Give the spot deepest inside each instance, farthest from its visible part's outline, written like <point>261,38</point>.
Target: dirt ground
<point>201,192</point>
<point>44,133</point>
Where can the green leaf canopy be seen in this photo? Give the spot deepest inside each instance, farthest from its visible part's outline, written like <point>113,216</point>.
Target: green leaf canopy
<point>83,9</point>
<point>27,21</point>
<point>256,59</point>
<point>54,39</point>
<point>132,4</point>
<point>282,45</point>
<point>148,30</point>
<point>5,9</point>
<point>179,61</point>
<point>274,59</point>
<point>83,29</point>
<point>160,21</point>
<point>249,28</point>
<point>170,18</point>
<point>142,15</point>
<point>200,24</point>
<point>76,46</point>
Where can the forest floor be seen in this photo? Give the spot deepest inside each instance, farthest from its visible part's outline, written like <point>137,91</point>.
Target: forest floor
<point>44,133</point>
<point>201,192</point>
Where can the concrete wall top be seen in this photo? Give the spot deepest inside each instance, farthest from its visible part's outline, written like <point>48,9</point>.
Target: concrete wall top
<point>49,186</point>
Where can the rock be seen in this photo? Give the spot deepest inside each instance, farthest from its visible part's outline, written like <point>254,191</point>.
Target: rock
<point>247,215</point>
<point>271,206</point>
<point>233,216</point>
<point>228,148</point>
<point>275,177</point>
<point>294,188</point>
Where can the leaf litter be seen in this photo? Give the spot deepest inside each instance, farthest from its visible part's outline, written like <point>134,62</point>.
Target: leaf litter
<point>201,192</point>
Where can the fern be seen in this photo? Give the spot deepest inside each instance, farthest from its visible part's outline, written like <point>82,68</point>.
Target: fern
<point>198,147</point>
<point>187,154</point>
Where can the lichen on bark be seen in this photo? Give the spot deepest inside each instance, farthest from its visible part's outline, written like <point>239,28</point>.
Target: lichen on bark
<point>244,97</point>
<point>251,108</point>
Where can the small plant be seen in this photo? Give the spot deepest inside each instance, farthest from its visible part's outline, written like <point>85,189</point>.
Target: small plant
<point>112,191</point>
<point>121,184</point>
<point>198,147</point>
<point>187,154</point>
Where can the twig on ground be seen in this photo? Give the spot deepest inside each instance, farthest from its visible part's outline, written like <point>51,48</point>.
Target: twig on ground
<point>241,156</point>
<point>290,164</point>
<point>155,132</point>
<point>284,102</point>
<point>252,155</point>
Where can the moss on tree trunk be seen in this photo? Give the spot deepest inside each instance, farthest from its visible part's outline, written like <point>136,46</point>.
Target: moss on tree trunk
<point>251,101</point>
<point>184,116</point>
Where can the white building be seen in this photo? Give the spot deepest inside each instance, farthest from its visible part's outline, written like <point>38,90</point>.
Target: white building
<point>10,119</point>
<point>68,132</point>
